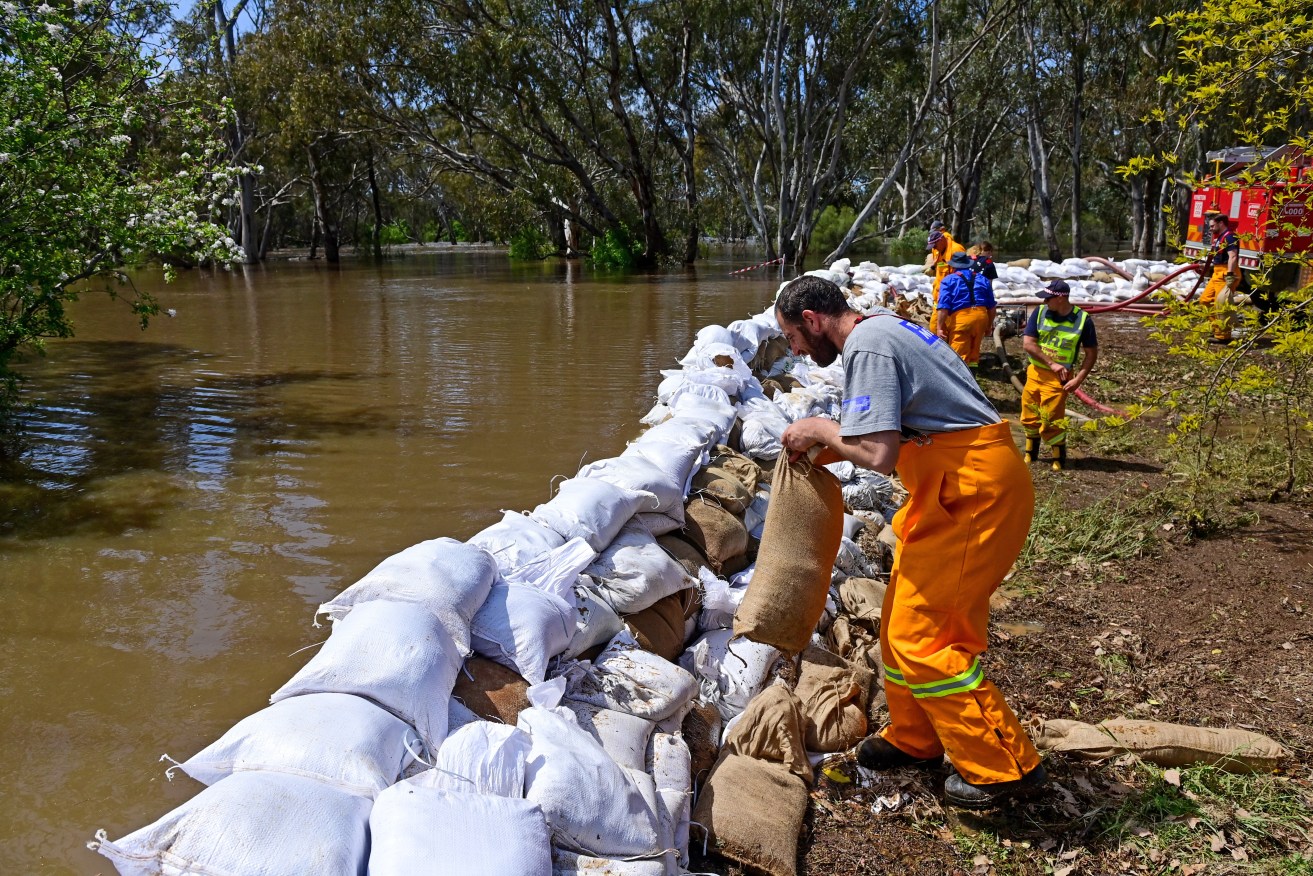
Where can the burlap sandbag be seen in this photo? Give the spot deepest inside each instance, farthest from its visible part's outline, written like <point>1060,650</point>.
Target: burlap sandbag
<point>768,353</point>
<point>772,728</point>
<point>834,694</point>
<point>752,812</point>
<point>804,525</point>
<point>684,551</point>
<point>719,534</point>
<point>659,628</point>
<point>862,598</point>
<point>491,691</point>
<point>701,729</point>
<point>728,493</point>
<point>731,465</point>
<point>854,643</point>
<point>1168,745</point>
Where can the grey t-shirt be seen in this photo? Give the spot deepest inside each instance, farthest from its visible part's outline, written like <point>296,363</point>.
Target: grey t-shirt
<point>898,375</point>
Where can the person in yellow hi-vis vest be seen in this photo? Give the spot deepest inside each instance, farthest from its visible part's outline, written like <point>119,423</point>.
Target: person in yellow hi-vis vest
<point>1056,333</point>
<point>941,246</point>
<point>1224,256</point>
<point>909,403</point>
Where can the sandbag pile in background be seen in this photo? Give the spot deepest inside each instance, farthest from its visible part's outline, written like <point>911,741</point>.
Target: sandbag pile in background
<point>467,689</point>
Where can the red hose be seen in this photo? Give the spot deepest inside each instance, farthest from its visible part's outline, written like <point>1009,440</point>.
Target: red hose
<point>1081,394</point>
<point>1154,288</point>
<point>1112,266</point>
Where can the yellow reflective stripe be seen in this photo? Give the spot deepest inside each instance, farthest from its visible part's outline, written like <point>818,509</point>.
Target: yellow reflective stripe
<point>961,683</point>
<point>894,676</point>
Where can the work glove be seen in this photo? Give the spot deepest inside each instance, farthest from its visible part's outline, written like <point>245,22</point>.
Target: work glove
<point>930,260</point>
<point>1232,281</point>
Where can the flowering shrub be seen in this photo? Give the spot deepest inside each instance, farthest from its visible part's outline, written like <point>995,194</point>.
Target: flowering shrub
<point>84,195</point>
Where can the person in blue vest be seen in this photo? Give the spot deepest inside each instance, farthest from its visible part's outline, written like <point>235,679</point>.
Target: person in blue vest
<point>1056,334</point>
<point>966,309</point>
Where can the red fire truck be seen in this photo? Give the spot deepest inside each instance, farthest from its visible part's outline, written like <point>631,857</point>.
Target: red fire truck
<point>1260,211</point>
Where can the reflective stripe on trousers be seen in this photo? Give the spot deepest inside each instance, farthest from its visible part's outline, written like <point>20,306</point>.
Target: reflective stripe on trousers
<point>966,518</point>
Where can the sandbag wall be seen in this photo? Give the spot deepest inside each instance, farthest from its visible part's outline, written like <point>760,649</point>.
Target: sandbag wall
<point>546,697</point>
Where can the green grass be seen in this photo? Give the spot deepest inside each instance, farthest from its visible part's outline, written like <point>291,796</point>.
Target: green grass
<point>1079,539</point>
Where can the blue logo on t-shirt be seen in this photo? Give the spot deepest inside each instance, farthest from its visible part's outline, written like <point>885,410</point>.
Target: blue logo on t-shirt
<point>924,334</point>
<point>857,405</point>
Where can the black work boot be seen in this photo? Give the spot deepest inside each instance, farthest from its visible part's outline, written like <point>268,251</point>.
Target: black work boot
<point>961,793</point>
<point>1032,449</point>
<point>1060,462</point>
<point>875,753</point>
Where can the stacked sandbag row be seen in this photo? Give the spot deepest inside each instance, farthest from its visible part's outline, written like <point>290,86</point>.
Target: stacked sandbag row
<point>1091,282</point>
<point>467,690</point>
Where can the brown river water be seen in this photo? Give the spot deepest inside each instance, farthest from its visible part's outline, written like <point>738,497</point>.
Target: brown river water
<point>189,494</point>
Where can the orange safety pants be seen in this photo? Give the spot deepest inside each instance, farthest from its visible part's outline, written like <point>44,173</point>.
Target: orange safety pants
<point>1213,297</point>
<point>961,530</point>
<point>965,329</point>
<point>1044,407</point>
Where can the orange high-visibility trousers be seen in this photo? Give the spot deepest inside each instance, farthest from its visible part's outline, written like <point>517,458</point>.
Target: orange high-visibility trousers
<point>1044,407</point>
<point>965,329</point>
<point>961,530</point>
<point>1223,317</point>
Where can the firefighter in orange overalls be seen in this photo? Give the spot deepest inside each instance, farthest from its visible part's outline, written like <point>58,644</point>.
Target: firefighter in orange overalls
<point>966,309</point>
<point>1224,255</point>
<point>910,404</point>
<point>941,246</point>
<point>1056,333</point>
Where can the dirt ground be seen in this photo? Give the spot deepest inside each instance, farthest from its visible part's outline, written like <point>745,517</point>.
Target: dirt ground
<point>1212,632</point>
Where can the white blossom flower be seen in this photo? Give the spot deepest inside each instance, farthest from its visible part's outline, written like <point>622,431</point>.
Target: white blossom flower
<point>45,9</point>
<point>120,139</point>
<point>9,8</point>
<point>5,157</point>
<point>54,29</point>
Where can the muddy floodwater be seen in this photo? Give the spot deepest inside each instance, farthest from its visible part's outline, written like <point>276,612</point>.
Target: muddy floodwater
<point>188,495</point>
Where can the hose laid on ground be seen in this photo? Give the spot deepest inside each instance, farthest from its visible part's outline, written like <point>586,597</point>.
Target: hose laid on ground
<point>1007,369</point>
<point>1149,291</point>
<point>1111,266</point>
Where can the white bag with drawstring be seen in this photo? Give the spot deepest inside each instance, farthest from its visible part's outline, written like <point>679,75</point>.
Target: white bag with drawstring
<point>480,758</point>
<point>592,509</point>
<point>395,654</point>
<point>342,740</point>
<point>729,671</point>
<point>516,540</point>
<point>271,824</point>
<point>447,577</point>
<point>592,804</point>
<point>634,572</point>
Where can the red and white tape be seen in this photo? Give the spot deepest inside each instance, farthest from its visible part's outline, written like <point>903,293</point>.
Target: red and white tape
<point>755,267</point>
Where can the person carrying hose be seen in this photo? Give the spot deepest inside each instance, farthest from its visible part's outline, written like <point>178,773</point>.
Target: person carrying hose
<point>1056,333</point>
<point>1224,256</point>
<point>966,309</point>
<point>941,246</point>
<point>911,405</point>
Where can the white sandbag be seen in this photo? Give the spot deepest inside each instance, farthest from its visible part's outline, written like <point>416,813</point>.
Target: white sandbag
<point>867,490</point>
<point>637,472</point>
<point>556,571</point>
<point>272,824</point>
<point>718,412</point>
<point>633,572</point>
<point>628,679</point>
<point>749,334</point>
<point>459,715</point>
<point>656,415</point>
<point>679,431</point>
<point>596,622</point>
<point>522,627</point>
<point>592,509</point>
<point>339,739</point>
<point>591,803</point>
<point>672,381</point>
<point>624,737</point>
<point>395,654</point>
<point>844,470</point>
<point>517,539</point>
<point>707,336</point>
<point>851,560</point>
<point>754,518</point>
<point>447,577</point>
<point>671,766</point>
<point>568,863</point>
<point>415,829</point>
<point>660,524</point>
<point>719,602</point>
<point>729,673</point>
<point>480,758</point>
<point>718,364</point>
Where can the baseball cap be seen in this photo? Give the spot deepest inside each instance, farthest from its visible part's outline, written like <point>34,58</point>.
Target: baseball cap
<point>936,225</point>
<point>935,237</point>
<point>960,260</point>
<point>1054,289</point>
